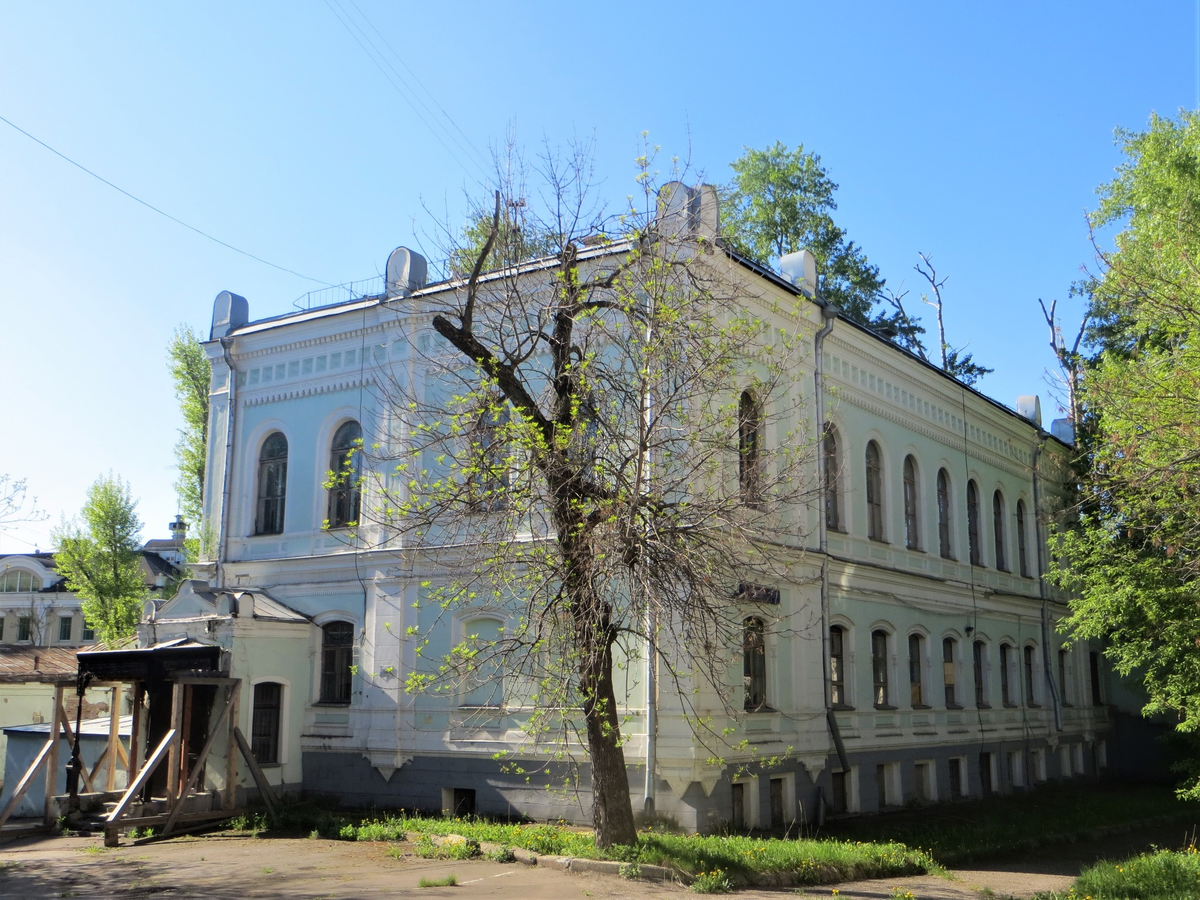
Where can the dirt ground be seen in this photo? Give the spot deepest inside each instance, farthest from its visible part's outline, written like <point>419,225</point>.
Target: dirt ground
<point>221,867</point>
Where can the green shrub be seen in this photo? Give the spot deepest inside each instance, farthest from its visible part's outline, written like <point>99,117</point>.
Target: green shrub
<point>713,882</point>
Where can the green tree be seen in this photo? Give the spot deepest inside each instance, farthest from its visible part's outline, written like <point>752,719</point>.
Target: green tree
<point>191,372</point>
<point>606,443</point>
<point>100,558</point>
<point>781,201</point>
<point>1132,559</point>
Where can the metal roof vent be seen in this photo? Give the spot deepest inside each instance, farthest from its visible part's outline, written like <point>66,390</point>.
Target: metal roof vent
<point>800,268</point>
<point>407,271</point>
<point>1030,406</point>
<point>230,312</point>
<point>1064,430</point>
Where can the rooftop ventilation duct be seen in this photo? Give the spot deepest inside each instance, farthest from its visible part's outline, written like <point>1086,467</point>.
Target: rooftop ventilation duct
<point>800,268</point>
<point>230,312</point>
<point>1064,430</point>
<point>1030,406</point>
<point>407,271</point>
<point>688,212</point>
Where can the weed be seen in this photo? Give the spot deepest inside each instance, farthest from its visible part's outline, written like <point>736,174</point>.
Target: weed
<point>449,881</point>
<point>267,870</point>
<point>1161,875</point>
<point>631,870</point>
<point>395,852</point>
<point>94,850</point>
<point>901,894</point>
<point>502,855</point>
<point>714,881</point>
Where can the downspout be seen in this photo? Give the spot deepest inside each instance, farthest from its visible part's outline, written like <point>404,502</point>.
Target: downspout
<point>223,543</point>
<point>1055,694</point>
<point>829,313</point>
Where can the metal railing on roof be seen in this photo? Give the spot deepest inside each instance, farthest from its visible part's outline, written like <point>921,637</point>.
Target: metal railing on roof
<point>340,293</point>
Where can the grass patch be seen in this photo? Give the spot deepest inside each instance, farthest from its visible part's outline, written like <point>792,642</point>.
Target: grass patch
<point>955,833</point>
<point>1162,875</point>
<point>449,881</point>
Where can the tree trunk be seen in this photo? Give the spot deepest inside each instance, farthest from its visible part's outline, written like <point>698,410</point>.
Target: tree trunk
<point>612,809</point>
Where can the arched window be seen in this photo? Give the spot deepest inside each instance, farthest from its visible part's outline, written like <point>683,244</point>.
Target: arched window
<point>19,581</point>
<point>874,493</point>
<point>337,648</point>
<point>945,548</point>
<point>949,672</point>
<point>973,524</point>
<point>345,468</point>
<point>879,667</point>
<point>829,471</point>
<point>998,531</point>
<point>1064,687</point>
<point>483,684</point>
<point>1005,675</point>
<point>837,665</point>
<point>749,448</point>
<point>754,663</point>
<point>1030,693</point>
<point>916,663</point>
<point>912,535</point>
<point>265,722</point>
<point>272,485</point>
<point>1022,546</point>
<point>489,473</point>
<point>979,661</point>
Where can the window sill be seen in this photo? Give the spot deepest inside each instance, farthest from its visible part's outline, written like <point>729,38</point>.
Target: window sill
<point>841,707</point>
<point>921,706</point>
<point>954,706</point>
<point>884,707</point>
<point>762,709</point>
<point>983,706</point>
<point>332,704</point>
<point>914,549</point>
<point>879,540</point>
<point>1011,706</point>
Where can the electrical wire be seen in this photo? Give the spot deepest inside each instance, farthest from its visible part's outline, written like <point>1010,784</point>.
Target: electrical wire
<point>154,208</point>
<point>374,54</point>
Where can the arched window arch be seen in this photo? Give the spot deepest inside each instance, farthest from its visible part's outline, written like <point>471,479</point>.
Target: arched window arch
<point>945,547</point>
<point>749,448</point>
<point>912,530</point>
<point>916,669</point>
<point>979,668</point>
<point>19,581</point>
<point>879,667</point>
<point>345,468</point>
<point>998,531</point>
<point>754,663</point>
<point>483,684</point>
<point>272,485</point>
<point>973,547</point>
<point>337,651</point>
<point>830,468</point>
<point>874,492</point>
<point>950,671</point>
<point>837,665</point>
<point>1022,541</point>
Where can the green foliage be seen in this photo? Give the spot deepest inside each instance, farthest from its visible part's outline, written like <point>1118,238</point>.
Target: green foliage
<point>714,882</point>
<point>100,558</point>
<point>191,373</point>
<point>1161,875</point>
<point>448,881</point>
<point>1132,558</point>
<point>781,201</point>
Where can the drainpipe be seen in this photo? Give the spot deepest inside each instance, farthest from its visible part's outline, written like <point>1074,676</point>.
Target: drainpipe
<point>829,313</point>
<point>231,416</point>
<point>1055,695</point>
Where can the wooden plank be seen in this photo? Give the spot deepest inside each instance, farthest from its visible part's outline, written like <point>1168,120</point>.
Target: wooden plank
<point>100,761</point>
<point>185,736</point>
<point>135,736</point>
<point>198,767</point>
<point>156,757</point>
<point>259,778</point>
<point>26,780</point>
<point>52,772</point>
<point>114,738</point>
<point>156,821</point>
<point>177,729</point>
<point>229,799</point>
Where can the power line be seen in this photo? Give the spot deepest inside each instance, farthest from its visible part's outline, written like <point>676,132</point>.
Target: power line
<point>419,83</point>
<point>375,56</point>
<point>150,206</point>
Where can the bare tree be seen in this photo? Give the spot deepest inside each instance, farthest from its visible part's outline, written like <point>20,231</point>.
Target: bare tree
<point>604,449</point>
<point>954,361</point>
<point>1070,362</point>
<point>13,497</point>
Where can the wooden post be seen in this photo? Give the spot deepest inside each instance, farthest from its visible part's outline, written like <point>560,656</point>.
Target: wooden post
<point>167,746</point>
<point>114,738</point>
<point>135,736</point>
<point>229,798</point>
<point>260,779</point>
<point>199,766</point>
<point>52,767</point>
<point>176,728</point>
<point>185,736</point>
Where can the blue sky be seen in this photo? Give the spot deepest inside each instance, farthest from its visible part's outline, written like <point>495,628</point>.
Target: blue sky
<point>975,132</point>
